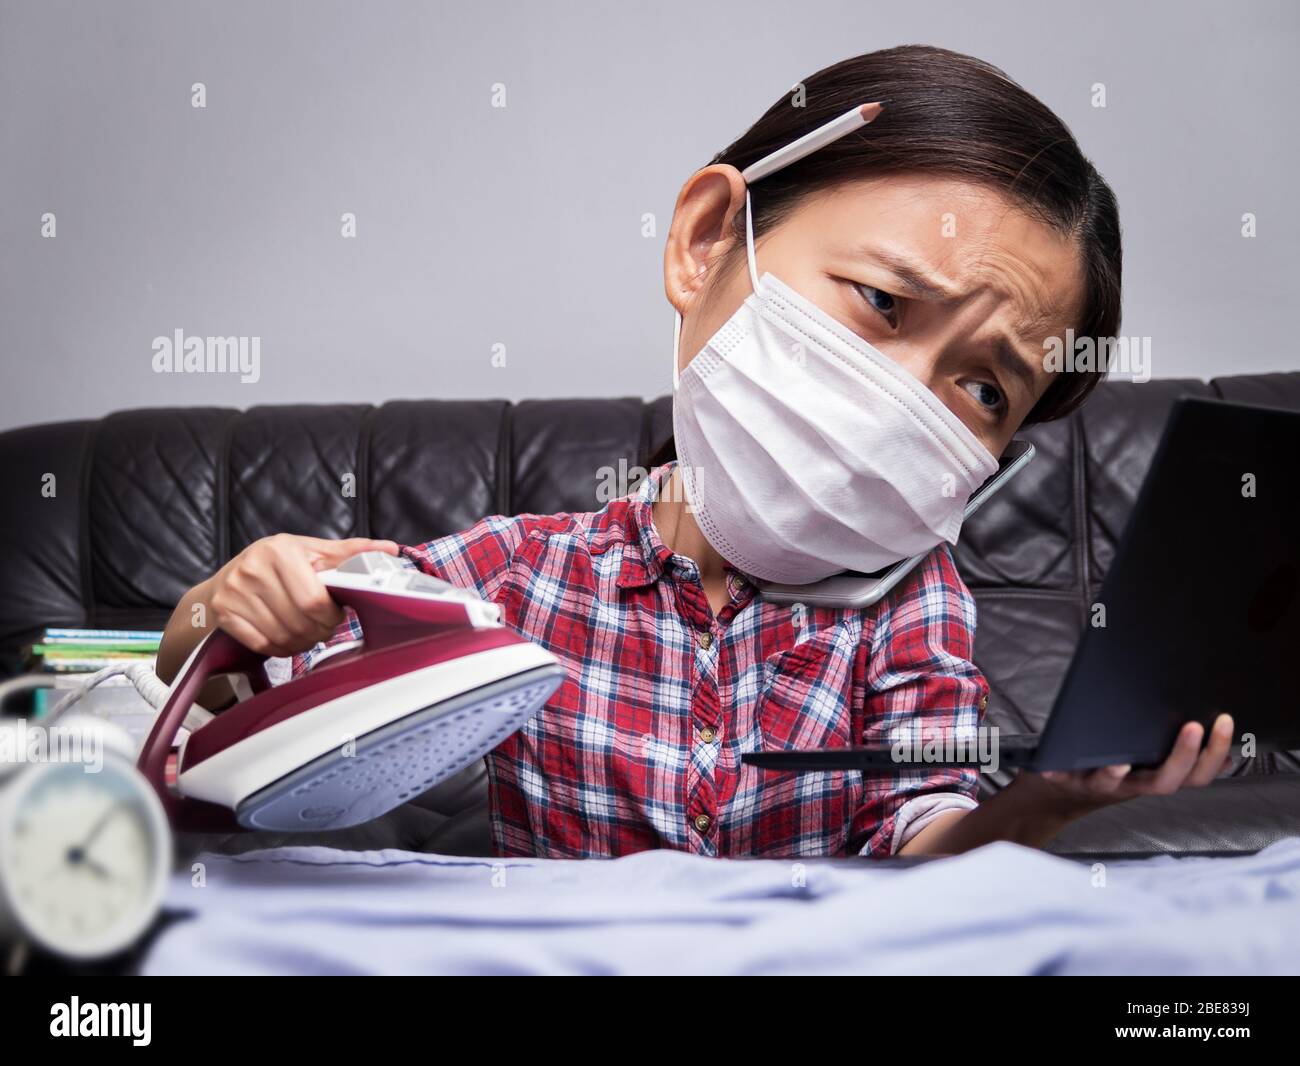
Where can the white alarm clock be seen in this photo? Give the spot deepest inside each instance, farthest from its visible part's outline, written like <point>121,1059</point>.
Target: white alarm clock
<point>84,856</point>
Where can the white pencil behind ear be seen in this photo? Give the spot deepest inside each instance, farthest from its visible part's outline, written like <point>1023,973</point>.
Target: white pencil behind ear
<point>823,135</point>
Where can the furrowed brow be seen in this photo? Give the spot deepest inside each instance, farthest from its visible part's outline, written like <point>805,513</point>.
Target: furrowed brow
<point>1019,366</point>
<point>913,276</point>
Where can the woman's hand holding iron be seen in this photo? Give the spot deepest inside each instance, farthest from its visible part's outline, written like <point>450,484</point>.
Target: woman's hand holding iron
<point>267,597</point>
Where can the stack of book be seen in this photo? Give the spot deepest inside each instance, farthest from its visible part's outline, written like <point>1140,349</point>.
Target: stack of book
<point>81,651</point>
<point>72,654</point>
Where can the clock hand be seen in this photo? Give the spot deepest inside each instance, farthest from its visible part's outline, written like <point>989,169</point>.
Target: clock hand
<point>98,827</point>
<point>76,856</point>
<point>100,870</point>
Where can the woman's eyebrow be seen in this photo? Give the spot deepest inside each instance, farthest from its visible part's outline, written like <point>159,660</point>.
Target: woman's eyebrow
<point>1019,366</point>
<point>918,279</point>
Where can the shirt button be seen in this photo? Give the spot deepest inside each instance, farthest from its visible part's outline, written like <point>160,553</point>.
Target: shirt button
<point>702,822</point>
<point>706,640</point>
<point>708,735</point>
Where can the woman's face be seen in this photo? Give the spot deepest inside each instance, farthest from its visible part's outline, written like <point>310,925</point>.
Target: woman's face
<point>952,280</point>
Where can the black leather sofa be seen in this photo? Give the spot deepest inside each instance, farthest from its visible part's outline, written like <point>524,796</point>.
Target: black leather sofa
<point>146,503</point>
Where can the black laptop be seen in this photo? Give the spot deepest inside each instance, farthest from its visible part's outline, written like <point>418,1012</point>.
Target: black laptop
<point>1202,612</point>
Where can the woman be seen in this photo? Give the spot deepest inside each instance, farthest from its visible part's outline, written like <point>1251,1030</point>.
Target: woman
<point>853,356</point>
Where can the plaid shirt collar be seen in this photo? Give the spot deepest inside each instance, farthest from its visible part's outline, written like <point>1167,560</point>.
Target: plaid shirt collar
<point>646,558</point>
<point>645,555</point>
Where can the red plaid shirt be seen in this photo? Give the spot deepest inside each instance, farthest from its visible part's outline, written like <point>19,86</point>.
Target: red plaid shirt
<point>640,747</point>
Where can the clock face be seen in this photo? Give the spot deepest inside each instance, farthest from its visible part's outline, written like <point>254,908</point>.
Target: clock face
<point>84,856</point>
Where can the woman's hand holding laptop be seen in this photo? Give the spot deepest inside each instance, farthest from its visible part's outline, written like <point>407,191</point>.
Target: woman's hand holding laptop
<point>1036,806</point>
<point>1188,766</point>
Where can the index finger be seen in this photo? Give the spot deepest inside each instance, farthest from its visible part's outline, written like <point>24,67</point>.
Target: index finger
<point>328,553</point>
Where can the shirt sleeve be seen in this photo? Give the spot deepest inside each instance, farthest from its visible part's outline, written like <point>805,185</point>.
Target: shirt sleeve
<point>921,685</point>
<point>478,558</point>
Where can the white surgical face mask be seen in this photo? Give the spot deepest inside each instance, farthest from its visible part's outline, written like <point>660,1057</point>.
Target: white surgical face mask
<point>804,451</point>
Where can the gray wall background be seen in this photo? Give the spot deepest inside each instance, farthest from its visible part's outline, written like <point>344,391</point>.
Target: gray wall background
<point>522,226</point>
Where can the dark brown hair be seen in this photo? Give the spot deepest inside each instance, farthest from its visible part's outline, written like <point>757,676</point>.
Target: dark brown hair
<point>952,115</point>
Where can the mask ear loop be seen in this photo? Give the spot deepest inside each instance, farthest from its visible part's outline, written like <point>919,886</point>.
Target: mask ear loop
<point>677,340</point>
<point>753,278</point>
<point>749,242</point>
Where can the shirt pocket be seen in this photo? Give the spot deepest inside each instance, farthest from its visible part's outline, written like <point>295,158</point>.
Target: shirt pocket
<point>806,693</point>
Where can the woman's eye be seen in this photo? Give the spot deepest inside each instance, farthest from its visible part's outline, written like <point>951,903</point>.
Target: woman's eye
<point>881,301</point>
<point>989,396</point>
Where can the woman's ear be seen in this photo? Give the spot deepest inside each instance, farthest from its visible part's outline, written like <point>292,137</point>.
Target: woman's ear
<point>700,230</point>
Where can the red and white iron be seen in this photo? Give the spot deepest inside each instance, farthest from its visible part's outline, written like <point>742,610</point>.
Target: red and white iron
<point>436,682</point>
